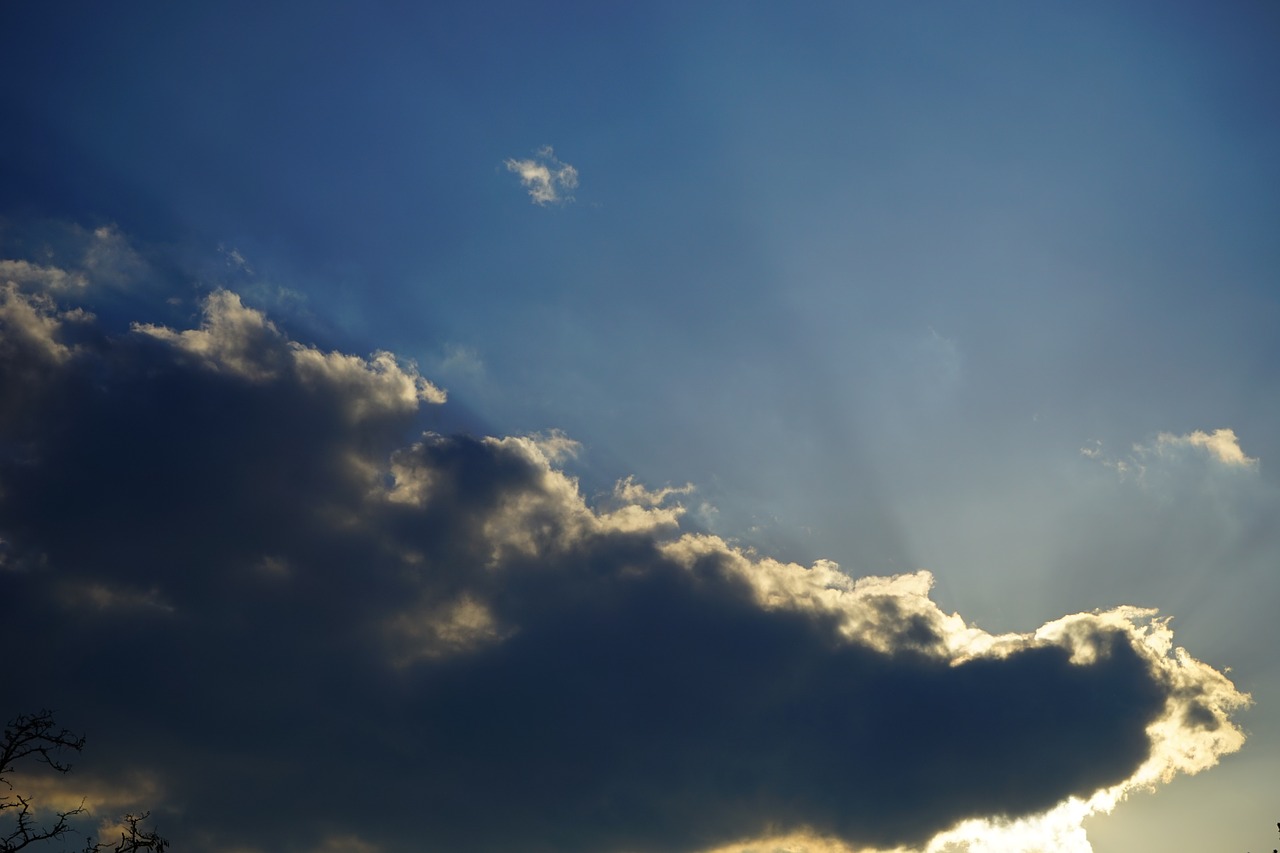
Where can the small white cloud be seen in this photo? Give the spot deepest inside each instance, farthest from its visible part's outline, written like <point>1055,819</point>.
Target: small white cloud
<point>1221,445</point>
<point>548,180</point>
<point>555,445</point>
<point>629,491</point>
<point>1219,450</point>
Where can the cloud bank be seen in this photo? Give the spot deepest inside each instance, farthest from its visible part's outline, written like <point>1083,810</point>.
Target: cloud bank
<point>547,180</point>
<point>241,564</point>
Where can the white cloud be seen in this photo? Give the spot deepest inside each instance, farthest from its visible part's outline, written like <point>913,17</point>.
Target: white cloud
<point>380,383</point>
<point>1221,445</point>
<point>84,259</point>
<point>1152,462</point>
<point>43,277</point>
<point>629,491</point>
<point>232,338</point>
<point>33,323</point>
<point>548,180</point>
<point>555,446</point>
<point>237,339</point>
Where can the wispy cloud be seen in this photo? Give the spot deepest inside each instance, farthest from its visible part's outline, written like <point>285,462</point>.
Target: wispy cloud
<point>49,278</point>
<point>548,180</point>
<point>235,260</point>
<point>102,256</point>
<point>457,360</point>
<point>109,257</point>
<point>1218,451</point>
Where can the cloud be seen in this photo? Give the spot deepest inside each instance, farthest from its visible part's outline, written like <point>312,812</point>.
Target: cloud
<point>234,260</point>
<point>42,277</point>
<point>630,492</point>
<point>345,844</point>
<point>33,325</point>
<point>1184,521</point>
<point>548,180</point>
<point>75,256</point>
<point>100,596</point>
<point>244,562</point>
<point>1199,457</point>
<point>463,361</point>
<point>242,341</point>
<point>51,792</point>
<point>108,257</point>
<point>1222,446</point>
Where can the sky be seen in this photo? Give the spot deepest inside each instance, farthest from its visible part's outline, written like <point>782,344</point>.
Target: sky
<point>646,428</point>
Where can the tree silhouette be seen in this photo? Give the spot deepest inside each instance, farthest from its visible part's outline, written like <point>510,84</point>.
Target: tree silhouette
<point>37,738</point>
<point>1277,830</point>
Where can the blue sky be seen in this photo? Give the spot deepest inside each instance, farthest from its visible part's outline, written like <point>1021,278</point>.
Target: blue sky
<point>988,290</point>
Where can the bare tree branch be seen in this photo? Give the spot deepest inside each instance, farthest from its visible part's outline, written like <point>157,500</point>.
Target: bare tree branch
<point>132,838</point>
<point>36,734</point>
<point>38,738</point>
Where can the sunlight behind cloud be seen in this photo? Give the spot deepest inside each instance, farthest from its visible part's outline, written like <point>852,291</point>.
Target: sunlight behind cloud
<point>469,575</point>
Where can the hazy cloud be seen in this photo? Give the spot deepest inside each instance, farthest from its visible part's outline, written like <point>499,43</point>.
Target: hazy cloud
<point>458,360</point>
<point>98,796</point>
<point>234,260</point>
<point>109,257</point>
<point>40,276</point>
<point>345,844</point>
<point>548,180</point>
<point>246,565</point>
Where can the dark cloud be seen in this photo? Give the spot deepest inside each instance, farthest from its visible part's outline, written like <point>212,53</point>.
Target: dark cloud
<point>227,556</point>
